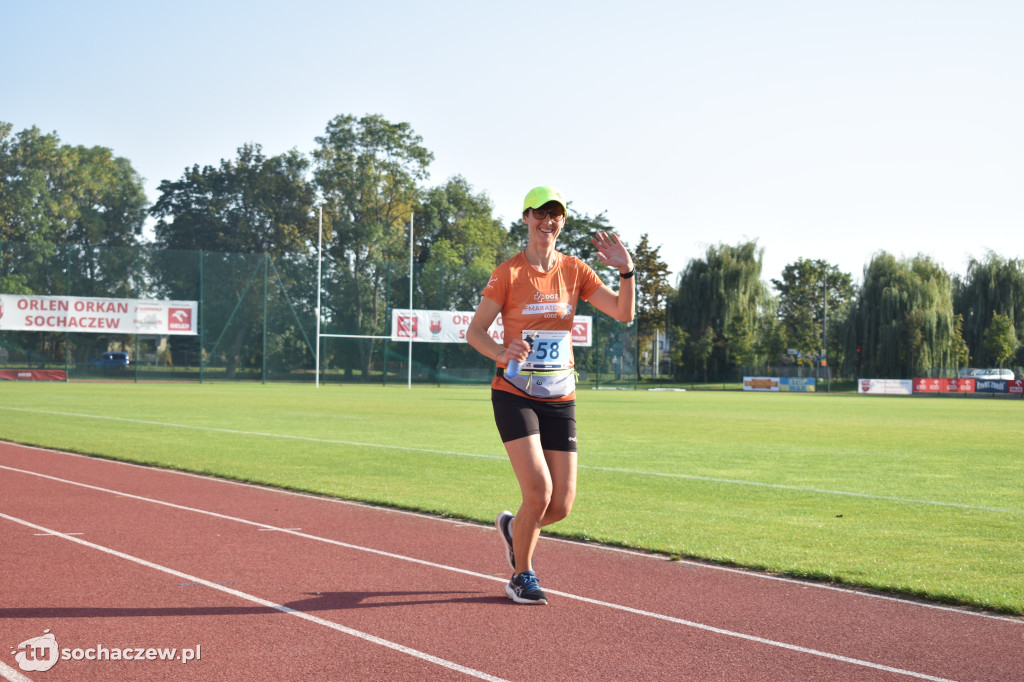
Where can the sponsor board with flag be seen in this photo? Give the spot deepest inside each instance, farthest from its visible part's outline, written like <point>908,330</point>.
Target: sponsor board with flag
<point>450,326</point>
<point>97,315</point>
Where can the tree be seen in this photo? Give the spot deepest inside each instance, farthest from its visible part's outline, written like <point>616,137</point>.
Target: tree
<point>53,196</point>
<point>367,171</point>
<point>459,243</point>
<point>677,341</point>
<point>58,205</point>
<point>712,291</point>
<point>903,322</point>
<point>703,346</point>
<point>960,352</point>
<point>250,204</point>
<point>771,342</point>
<point>653,290</point>
<point>239,213</point>
<point>1000,339</point>
<point>807,289</point>
<point>740,341</point>
<point>992,285</point>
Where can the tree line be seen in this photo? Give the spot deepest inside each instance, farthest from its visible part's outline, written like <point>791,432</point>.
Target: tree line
<point>367,178</point>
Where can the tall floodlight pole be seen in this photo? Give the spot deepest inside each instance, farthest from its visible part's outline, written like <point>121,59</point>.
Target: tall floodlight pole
<point>319,282</point>
<point>411,312</point>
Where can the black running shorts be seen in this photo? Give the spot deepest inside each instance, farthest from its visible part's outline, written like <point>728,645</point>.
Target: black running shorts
<point>519,416</point>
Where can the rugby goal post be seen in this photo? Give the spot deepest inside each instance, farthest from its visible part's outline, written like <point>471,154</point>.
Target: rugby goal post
<point>319,289</point>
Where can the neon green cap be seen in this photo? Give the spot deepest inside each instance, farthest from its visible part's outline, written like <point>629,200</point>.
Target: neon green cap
<point>538,196</point>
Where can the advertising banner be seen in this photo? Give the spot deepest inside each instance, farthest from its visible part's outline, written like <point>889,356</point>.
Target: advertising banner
<point>93,315</point>
<point>957,385</point>
<point>927,385</point>
<point>447,326</point>
<point>886,386</point>
<point>1015,386</point>
<point>990,385</point>
<point>798,384</point>
<point>33,375</point>
<point>760,384</point>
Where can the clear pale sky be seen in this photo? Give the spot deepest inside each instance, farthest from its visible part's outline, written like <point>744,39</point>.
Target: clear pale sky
<point>820,129</point>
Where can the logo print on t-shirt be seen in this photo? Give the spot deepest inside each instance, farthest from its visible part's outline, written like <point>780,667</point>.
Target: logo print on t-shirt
<point>547,304</point>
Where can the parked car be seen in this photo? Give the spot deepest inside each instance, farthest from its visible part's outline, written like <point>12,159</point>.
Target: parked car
<point>999,374</point>
<point>111,360</point>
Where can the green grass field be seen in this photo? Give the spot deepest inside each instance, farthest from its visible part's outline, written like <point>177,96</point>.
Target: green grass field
<point>918,496</point>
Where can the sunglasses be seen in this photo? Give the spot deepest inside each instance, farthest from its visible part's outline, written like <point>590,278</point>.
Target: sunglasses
<point>556,214</point>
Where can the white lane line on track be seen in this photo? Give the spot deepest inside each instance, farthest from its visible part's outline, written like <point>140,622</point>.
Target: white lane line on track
<point>632,472</point>
<point>618,550</point>
<point>12,675</point>
<point>474,574</point>
<point>263,602</point>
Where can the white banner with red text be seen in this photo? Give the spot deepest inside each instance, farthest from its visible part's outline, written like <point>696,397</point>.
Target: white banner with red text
<point>448,326</point>
<point>97,315</point>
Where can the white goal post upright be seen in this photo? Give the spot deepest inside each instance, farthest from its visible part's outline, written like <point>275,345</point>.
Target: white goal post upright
<point>410,297</point>
<point>319,284</point>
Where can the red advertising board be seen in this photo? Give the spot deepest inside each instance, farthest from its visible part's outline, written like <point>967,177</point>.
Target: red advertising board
<point>33,375</point>
<point>943,385</point>
<point>960,385</point>
<point>1015,386</point>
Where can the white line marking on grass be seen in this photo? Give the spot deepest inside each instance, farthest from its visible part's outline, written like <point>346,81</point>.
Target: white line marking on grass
<point>750,573</point>
<point>263,602</point>
<point>453,569</point>
<point>634,472</point>
<point>820,491</point>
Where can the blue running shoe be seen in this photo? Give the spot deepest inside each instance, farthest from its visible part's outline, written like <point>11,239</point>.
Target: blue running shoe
<point>525,589</point>
<point>504,525</point>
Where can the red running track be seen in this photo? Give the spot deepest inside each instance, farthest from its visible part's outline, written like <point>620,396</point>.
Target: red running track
<point>259,584</point>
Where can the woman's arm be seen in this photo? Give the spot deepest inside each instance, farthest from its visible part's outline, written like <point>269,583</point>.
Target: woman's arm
<point>479,339</point>
<point>621,305</point>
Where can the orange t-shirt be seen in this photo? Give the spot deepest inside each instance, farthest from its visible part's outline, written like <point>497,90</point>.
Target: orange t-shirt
<point>534,300</point>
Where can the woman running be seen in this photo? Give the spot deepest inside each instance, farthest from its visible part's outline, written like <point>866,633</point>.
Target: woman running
<point>534,390</point>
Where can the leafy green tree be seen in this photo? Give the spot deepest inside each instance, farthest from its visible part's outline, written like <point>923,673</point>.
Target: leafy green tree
<point>1000,339</point>
<point>740,341</point>
<point>960,352</point>
<point>808,291</point>
<point>238,213</point>
<point>54,196</point>
<point>903,322</point>
<point>771,342</point>
<point>677,342</point>
<point>458,243</point>
<point>250,204</point>
<point>367,171</point>
<point>653,291</point>
<point>703,346</point>
<point>58,205</point>
<point>712,291</point>
<point>992,285</point>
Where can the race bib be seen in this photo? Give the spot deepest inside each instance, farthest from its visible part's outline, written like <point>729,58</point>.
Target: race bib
<point>552,349</point>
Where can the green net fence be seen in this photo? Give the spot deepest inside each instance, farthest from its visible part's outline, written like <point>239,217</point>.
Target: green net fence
<point>257,318</point>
